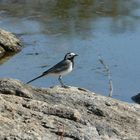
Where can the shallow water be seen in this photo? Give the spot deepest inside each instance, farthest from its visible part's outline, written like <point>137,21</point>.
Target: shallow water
<point>90,28</point>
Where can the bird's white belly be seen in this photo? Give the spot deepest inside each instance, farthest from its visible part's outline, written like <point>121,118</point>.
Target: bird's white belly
<point>66,71</point>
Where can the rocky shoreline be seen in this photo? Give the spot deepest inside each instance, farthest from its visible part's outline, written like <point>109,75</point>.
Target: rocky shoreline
<point>30,113</point>
<point>8,43</point>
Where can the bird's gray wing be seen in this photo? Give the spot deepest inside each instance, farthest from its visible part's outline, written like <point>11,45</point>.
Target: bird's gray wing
<point>59,67</point>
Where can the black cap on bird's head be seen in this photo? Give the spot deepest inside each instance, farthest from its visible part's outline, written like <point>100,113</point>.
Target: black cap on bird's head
<point>70,56</point>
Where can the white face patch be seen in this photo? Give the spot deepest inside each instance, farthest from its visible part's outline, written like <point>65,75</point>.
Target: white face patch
<point>72,54</point>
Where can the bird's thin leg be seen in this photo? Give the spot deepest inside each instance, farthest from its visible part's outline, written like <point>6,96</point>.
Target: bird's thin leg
<point>60,80</point>
<point>62,84</point>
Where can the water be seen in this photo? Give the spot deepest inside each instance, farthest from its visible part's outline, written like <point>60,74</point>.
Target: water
<point>90,28</point>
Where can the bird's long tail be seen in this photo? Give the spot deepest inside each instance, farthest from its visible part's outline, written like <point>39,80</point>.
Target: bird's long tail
<point>35,79</point>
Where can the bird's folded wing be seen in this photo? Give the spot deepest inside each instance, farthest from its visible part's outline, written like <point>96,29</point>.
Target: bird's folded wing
<point>59,67</point>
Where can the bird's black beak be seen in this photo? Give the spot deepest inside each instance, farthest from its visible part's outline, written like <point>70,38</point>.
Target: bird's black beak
<point>75,55</point>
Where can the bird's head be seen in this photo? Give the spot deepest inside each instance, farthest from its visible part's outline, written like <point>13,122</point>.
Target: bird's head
<point>70,56</point>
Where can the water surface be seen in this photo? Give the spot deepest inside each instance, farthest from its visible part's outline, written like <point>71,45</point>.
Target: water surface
<point>90,28</point>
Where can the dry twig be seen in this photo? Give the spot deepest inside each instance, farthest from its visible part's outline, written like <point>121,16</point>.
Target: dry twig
<point>108,75</point>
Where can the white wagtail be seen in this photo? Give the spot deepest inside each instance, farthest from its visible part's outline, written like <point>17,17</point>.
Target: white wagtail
<point>60,69</point>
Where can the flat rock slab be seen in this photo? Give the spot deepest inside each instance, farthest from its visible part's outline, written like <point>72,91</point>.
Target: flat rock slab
<point>8,42</point>
<point>30,113</point>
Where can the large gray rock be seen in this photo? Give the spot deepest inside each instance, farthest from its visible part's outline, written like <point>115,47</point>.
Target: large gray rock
<point>29,113</point>
<point>8,42</point>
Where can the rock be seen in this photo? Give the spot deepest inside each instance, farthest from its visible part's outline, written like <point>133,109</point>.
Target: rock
<point>2,51</point>
<point>29,113</point>
<point>136,98</point>
<point>9,42</point>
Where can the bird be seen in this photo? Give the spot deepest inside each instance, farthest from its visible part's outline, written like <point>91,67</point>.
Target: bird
<point>61,69</point>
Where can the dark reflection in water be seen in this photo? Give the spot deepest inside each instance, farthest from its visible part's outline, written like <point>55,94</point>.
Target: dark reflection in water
<point>74,14</point>
<point>50,28</point>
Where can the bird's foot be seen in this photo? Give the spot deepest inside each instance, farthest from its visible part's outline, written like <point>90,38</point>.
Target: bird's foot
<point>65,86</point>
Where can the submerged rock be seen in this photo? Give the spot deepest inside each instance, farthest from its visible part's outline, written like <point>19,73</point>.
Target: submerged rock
<point>8,42</point>
<point>29,113</point>
<point>136,98</point>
